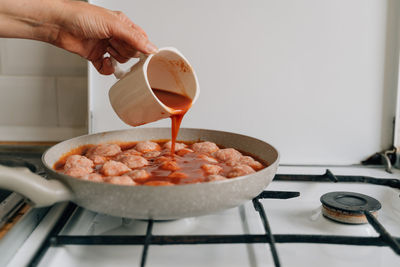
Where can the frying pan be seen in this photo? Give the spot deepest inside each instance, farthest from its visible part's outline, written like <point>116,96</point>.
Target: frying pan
<point>145,202</point>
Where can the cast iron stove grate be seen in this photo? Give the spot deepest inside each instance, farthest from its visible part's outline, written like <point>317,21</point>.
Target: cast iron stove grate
<point>384,239</point>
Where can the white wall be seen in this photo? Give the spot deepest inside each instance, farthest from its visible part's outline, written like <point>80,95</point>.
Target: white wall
<point>43,92</point>
<point>315,78</point>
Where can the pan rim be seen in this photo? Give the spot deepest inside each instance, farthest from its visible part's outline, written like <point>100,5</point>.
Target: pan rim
<point>53,172</point>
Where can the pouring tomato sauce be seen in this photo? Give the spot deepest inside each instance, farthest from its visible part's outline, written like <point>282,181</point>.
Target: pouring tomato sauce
<point>180,104</point>
<point>155,162</point>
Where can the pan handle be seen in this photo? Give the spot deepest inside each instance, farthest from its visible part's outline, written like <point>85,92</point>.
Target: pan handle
<point>39,191</point>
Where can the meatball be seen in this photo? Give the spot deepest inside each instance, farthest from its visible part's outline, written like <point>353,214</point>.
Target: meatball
<point>157,183</point>
<point>129,152</point>
<point>78,161</point>
<point>162,159</point>
<point>77,172</point>
<point>184,151</point>
<point>211,169</point>
<point>228,155</point>
<point>207,158</point>
<point>134,162</point>
<point>240,170</point>
<point>98,159</point>
<point>178,146</point>
<point>151,154</point>
<point>151,163</point>
<point>205,147</point>
<point>246,160</point>
<point>139,175</point>
<point>94,177</point>
<point>105,150</point>
<point>215,177</point>
<point>170,165</point>
<point>121,180</point>
<point>146,146</point>
<point>114,168</point>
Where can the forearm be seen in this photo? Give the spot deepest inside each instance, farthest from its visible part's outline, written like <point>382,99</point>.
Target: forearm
<point>30,19</point>
<point>78,27</point>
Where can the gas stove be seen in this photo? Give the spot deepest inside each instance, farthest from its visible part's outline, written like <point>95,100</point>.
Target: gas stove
<point>17,218</point>
<point>284,226</point>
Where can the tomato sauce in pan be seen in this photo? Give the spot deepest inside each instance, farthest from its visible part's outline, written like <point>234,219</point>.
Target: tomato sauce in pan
<point>158,162</point>
<point>185,167</point>
<point>180,104</point>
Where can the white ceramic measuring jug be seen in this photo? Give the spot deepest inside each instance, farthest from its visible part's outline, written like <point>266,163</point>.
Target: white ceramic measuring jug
<point>132,97</point>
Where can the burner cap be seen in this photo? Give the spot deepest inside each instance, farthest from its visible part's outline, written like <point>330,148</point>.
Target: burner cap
<point>348,207</point>
<point>16,162</point>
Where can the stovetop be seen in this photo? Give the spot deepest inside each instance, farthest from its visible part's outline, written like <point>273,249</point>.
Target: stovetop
<point>290,209</point>
<point>18,156</point>
<point>17,218</point>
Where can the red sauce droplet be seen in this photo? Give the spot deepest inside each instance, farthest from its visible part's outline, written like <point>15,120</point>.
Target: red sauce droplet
<point>180,104</point>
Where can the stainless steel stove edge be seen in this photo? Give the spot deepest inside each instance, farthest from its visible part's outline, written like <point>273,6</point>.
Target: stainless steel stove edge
<point>26,251</point>
<point>17,235</point>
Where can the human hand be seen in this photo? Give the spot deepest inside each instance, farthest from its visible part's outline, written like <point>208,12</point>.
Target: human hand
<point>87,30</point>
<point>91,31</point>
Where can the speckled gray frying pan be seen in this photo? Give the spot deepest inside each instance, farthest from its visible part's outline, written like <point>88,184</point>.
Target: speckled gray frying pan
<point>145,202</point>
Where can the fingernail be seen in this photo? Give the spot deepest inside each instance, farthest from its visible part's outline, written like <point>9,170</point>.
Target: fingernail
<point>108,62</point>
<point>151,48</point>
<point>110,65</point>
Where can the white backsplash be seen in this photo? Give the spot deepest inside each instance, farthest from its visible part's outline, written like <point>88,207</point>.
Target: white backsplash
<point>28,101</point>
<point>315,78</point>
<point>72,101</point>
<point>43,92</point>
<point>27,57</point>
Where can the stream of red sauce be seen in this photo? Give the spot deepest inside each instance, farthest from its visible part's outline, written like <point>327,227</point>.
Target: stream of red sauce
<point>180,104</point>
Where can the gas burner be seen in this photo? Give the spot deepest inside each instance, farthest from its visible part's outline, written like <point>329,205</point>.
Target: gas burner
<point>348,207</point>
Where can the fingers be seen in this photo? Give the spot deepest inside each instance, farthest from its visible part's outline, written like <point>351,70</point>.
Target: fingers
<point>103,65</point>
<point>127,40</point>
<point>96,56</point>
<point>126,20</point>
<point>123,49</point>
<point>136,39</point>
<point>116,55</point>
<point>132,35</point>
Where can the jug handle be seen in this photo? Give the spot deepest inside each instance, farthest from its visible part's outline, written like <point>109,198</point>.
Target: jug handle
<point>118,71</point>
